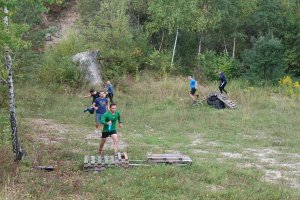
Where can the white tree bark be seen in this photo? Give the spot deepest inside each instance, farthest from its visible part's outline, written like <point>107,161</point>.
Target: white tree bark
<point>174,49</point>
<point>200,47</point>
<point>233,49</point>
<point>19,154</point>
<point>225,46</point>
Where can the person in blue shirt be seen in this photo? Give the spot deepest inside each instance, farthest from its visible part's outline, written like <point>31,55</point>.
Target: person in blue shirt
<point>223,82</point>
<point>100,105</point>
<point>193,87</point>
<point>110,91</point>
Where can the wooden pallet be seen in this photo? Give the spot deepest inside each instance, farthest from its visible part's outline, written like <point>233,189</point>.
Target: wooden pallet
<point>100,163</point>
<point>175,158</point>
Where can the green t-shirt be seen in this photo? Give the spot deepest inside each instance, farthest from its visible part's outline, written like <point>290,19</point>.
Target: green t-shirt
<point>108,116</point>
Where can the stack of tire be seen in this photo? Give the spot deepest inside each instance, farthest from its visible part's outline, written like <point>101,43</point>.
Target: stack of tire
<point>215,102</point>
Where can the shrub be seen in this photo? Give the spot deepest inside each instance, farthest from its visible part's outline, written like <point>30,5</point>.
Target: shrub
<point>288,87</point>
<point>265,61</point>
<point>58,67</point>
<point>209,62</point>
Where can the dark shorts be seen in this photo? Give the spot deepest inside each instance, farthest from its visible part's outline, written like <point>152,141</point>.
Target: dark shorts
<point>108,134</point>
<point>193,91</point>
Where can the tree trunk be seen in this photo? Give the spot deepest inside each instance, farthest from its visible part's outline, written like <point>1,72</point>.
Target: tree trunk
<point>225,46</point>
<point>162,41</point>
<point>19,153</point>
<point>174,49</point>
<point>233,49</point>
<point>200,47</point>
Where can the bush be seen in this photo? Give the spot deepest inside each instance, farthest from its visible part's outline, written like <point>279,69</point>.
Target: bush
<point>209,62</point>
<point>58,67</point>
<point>265,61</point>
<point>288,87</point>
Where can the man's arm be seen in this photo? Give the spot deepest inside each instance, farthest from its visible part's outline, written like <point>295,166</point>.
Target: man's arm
<point>103,120</point>
<point>94,106</point>
<point>119,118</point>
<point>87,96</point>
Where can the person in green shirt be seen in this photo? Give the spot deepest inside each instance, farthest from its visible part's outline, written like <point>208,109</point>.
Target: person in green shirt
<point>109,120</point>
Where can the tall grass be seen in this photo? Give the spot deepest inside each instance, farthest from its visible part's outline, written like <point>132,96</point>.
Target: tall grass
<point>158,117</point>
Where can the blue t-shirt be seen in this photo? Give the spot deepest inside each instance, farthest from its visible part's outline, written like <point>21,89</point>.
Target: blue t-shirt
<point>101,103</point>
<point>193,83</point>
<point>110,89</point>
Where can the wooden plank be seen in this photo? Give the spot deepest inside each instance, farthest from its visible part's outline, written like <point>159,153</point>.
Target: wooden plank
<point>112,158</point>
<point>119,156</point>
<point>86,159</point>
<point>125,156</point>
<point>99,159</point>
<point>164,155</point>
<point>93,160</point>
<point>106,160</point>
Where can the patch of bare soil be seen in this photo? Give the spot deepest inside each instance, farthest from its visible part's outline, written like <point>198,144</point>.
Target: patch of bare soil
<point>65,22</point>
<point>48,131</point>
<point>277,166</point>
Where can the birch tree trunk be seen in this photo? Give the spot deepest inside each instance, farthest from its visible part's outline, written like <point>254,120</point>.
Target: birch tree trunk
<point>19,153</point>
<point>200,47</point>
<point>174,49</point>
<point>225,46</point>
<point>233,49</point>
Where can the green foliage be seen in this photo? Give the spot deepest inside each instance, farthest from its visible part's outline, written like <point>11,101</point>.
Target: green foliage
<point>58,67</point>
<point>159,62</point>
<point>265,61</point>
<point>4,128</point>
<point>209,63</point>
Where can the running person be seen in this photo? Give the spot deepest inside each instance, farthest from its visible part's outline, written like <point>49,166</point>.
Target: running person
<point>100,105</point>
<point>223,82</point>
<point>109,120</point>
<point>193,87</point>
<point>110,91</point>
<point>94,95</point>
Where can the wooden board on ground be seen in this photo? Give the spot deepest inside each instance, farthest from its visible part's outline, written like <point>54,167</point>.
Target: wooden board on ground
<point>175,158</point>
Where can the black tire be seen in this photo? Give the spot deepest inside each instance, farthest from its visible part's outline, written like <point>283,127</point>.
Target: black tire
<point>215,102</point>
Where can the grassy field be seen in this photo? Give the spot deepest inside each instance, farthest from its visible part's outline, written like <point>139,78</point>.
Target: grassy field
<point>249,153</point>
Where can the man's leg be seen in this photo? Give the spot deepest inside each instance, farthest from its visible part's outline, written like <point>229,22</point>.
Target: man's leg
<point>222,86</point>
<point>116,142</point>
<point>91,110</point>
<point>220,89</point>
<point>102,143</point>
<point>98,122</point>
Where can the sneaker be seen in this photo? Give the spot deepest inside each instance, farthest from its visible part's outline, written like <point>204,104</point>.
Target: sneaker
<point>85,109</point>
<point>97,131</point>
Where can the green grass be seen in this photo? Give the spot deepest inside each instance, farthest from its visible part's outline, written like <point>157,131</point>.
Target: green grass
<point>159,118</point>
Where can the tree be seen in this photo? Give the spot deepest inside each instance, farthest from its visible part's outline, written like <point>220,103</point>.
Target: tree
<point>172,16</point>
<point>17,149</point>
<point>265,61</point>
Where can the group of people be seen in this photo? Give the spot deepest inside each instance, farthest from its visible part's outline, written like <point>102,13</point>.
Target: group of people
<point>106,115</point>
<point>193,86</point>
